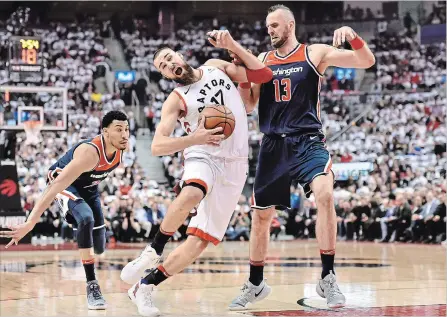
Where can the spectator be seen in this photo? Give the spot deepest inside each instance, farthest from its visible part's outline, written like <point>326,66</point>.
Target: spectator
<point>154,216</point>
<point>129,226</point>
<point>439,219</point>
<point>417,222</point>
<point>239,226</point>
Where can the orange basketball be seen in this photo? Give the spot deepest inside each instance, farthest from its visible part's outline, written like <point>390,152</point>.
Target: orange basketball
<point>219,116</point>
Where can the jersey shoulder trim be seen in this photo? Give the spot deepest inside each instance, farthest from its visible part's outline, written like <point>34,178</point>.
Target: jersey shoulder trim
<point>296,49</point>
<point>296,55</point>
<point>103,148</point>
<point>263,56</point>
<point>310,63</point>
<point>97,150</point>
<point>179,93</point>
<point>104,163</point>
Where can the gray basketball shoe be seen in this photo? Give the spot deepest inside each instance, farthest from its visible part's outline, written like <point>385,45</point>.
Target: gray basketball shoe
<point>250,294</point>
<point>328,288</point>
<point>95,300</point>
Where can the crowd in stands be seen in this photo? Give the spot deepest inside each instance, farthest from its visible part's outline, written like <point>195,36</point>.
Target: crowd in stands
<point>403,64</point>
<point>403,135</point>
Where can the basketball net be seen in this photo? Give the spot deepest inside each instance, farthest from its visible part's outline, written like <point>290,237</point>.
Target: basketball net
<point>32,130</point>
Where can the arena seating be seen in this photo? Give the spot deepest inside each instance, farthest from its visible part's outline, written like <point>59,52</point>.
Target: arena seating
<point>403,135</point>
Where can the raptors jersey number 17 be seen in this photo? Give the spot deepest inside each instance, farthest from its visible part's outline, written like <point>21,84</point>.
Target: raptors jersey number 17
<point>214,87</point>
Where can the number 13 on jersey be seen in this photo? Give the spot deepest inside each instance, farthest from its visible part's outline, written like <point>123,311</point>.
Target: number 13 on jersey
<point>282,89</point>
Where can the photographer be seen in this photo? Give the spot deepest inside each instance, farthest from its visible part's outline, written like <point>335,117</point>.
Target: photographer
<point>129,226</point>
<point>239,225</point>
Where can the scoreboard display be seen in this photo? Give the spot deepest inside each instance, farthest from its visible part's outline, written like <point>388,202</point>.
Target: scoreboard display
<point>25,59</point>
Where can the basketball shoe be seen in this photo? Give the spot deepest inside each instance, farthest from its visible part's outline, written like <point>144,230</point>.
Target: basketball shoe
<point>95,300</point>
<point>134,270</point>
<point>250,294</point>
<point>141,296</point>
<point>328,288</point>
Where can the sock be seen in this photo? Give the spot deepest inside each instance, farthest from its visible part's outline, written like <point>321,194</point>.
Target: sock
<point>89,268</point>
<point>256,272</point>
<point>327,259</point>
<point>160,240</point>
<point>156,276</point>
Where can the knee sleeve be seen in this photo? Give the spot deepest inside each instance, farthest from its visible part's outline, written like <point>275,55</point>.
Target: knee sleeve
<point>99,240</point>
<point>85,221</point>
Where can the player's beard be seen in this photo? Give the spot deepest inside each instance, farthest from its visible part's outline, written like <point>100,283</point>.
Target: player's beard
<point>187,76</point>
<point>282,40</point>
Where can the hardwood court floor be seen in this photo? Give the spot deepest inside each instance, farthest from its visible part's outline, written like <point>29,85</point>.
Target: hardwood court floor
<point>377,279</point>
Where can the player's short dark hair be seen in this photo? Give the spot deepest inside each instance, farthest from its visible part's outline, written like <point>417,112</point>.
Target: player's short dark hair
<point>158,51</point>
<point>278,7</point>
<point>113,115</point>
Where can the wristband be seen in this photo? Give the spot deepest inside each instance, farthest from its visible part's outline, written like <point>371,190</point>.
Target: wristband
<point>245,85</point>
<point>259,76</point>
<point>357,43</point>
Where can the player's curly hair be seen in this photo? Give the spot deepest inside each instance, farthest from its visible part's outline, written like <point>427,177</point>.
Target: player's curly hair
<point>113,115</point>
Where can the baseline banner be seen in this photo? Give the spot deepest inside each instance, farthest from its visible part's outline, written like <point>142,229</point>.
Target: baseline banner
<point>344,171</point>
<point>9,187</point>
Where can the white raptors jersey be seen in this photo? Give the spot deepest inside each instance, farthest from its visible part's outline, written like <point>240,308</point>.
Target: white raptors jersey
<point>215,87</point>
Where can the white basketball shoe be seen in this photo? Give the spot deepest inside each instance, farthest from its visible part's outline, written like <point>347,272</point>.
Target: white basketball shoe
<point>134,270</point>
<point>141,295</point>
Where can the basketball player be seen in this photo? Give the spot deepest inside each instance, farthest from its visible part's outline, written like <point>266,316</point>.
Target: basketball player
<point>215,170</point>
<point>73,182</point>
<point>293,146</point>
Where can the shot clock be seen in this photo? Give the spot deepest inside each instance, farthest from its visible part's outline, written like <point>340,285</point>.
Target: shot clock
<point>25,59</point>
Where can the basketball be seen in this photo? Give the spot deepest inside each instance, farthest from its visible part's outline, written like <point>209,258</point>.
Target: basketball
<point>219,116</point>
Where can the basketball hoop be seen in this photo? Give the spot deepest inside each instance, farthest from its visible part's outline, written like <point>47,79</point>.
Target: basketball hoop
<point>32,130</point>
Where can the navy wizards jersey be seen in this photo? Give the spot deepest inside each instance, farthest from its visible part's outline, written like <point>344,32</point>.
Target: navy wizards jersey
<point>88,181</point>
<point>289,103</point>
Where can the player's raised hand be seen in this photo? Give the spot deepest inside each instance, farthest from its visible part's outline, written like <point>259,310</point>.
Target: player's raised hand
<point>16,233</point>
<point>343,34</point>
<point>207,136</point>
<point>221,39</point>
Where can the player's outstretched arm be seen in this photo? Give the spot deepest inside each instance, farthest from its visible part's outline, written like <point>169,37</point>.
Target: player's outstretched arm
<point>85,158</point>
<point>249,92</point>
<point>164,144</point>
<point>323,56</point>
<point>254,71</point>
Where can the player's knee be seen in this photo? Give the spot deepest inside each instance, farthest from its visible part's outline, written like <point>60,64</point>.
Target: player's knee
<point>325,197</point>
<point>192,194</point>
<point>262,218</point>
<point>196,243</point>
<point>84,236</point>
<point>200,244</point>
<point>86,224</point>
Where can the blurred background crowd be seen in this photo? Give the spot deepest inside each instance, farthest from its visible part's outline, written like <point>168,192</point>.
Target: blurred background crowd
<point>390,117</point>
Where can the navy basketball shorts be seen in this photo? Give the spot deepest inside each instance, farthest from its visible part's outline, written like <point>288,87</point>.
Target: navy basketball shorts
<point>283,160</point>
<point>76,205</point>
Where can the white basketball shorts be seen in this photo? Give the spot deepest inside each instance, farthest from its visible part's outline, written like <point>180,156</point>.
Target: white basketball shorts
<point>224,180</point>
